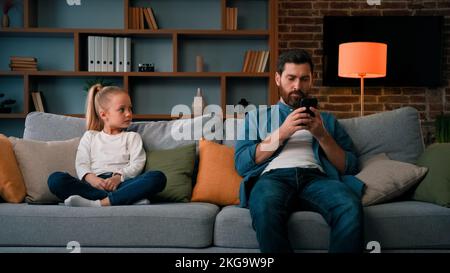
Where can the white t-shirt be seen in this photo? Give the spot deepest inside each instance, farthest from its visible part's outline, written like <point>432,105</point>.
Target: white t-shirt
<point>99,153</point>
<point>298,152</point>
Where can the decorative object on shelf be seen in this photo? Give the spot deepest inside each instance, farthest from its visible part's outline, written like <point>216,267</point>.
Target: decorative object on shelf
<point>243,102</point>
<point>442,125</point>
<point>92,82</point>
<point>6,7</point>
<point>362,60</point>
<point>146,68</point>
<point>199,63</point>
<point>198,104</point>
<point>20,63</point>
<point>6,105</point>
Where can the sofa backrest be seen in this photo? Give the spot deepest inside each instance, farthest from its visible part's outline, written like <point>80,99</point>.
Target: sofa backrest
<point>396,133</point>
<point>156,135</point>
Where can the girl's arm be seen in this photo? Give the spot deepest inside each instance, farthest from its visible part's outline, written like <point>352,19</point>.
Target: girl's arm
<point>137,158</point>
<point>83,158</point>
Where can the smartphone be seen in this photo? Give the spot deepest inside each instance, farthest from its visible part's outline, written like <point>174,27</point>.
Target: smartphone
<point>308,102</point>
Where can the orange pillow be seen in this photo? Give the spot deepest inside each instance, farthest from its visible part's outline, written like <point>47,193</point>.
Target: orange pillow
<point>217,179</point>
<point>12,186</point>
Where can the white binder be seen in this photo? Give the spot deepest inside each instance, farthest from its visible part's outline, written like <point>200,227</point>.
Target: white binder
<point>127,54</point>
<point>98,53</point>
<point>91,53</point>
<point>119,54</point>
<point>110,55</point>
<point>104,54</point>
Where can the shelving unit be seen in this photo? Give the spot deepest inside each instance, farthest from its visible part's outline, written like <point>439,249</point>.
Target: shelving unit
<point>56,34</point>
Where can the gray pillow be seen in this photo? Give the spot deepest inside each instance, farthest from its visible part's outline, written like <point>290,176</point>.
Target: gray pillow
<point>38,159</point>
<point>49,127</point>
<point>397,133</point>
<point>386,179</point>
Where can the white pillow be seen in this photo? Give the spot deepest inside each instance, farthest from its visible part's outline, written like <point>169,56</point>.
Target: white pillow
<point>386,179</point>
<point>38,159</point>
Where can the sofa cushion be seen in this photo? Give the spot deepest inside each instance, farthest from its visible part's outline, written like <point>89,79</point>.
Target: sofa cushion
<point>168,225</point>
<point>379,133</point>
<point>38,159</point>
<point>178,165</point>
<point>386,179</point>
<point>217,179</point>
<point>435,187</point>
<point>398,225</point>
<point>12,186</point>
<point>47,127</point>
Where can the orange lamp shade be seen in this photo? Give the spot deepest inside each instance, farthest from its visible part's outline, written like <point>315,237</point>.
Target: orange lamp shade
<point>362,59</point>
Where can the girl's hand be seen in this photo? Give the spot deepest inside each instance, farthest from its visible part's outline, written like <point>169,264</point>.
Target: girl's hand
<point>112,183</point>
<point>95,181</point>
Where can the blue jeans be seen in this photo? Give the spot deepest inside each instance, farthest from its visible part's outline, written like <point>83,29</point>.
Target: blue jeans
<point>128,192</point>
<point>280,192</point>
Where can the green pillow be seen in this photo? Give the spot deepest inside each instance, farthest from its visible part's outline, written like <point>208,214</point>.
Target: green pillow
<point>435,187</point>
<point>178,165</point>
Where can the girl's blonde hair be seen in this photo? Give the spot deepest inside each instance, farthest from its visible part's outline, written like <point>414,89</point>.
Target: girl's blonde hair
<point>97,100</point>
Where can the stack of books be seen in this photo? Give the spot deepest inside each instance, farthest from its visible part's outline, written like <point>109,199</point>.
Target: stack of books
<point>19,63</point>
<point>255,61</point>
<point>139,18</point>
<point>232,14</point>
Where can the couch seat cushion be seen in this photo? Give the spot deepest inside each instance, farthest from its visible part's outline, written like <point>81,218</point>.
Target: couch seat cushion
<point>157,225</point>
<point>398,225</point>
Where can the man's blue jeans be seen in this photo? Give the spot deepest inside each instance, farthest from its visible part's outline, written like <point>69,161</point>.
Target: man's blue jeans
<point>280,192</point>
<point>128,192</point>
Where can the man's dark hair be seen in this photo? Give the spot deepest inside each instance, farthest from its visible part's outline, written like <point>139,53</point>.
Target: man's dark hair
<point>296,56</point>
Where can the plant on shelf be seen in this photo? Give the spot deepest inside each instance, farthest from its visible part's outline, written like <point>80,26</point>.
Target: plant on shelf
<point>442,124</point>
<point>101,81</point>
<point>5,105</point>
<point>7,5</point>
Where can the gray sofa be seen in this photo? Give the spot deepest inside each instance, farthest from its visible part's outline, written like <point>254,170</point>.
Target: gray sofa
<point>399,226</point>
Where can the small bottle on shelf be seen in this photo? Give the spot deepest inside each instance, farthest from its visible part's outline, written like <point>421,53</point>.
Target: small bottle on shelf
<point>198,104</point>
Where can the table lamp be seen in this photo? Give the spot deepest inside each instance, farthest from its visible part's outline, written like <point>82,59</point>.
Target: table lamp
<point>362,60</point>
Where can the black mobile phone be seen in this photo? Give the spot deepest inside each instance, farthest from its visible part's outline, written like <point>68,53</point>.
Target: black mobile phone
<point>308,102</point>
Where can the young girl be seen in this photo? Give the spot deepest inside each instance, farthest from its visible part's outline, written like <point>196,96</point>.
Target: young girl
<point>109,161</point>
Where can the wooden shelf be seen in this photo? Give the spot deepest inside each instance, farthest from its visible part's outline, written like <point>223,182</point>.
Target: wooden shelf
<point>134,74</point>
<point>171,49</point>
<point>133,32</point>
<point>13,116</point>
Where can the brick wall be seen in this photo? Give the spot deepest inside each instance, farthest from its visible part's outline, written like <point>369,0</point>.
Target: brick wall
<point>300,26</point>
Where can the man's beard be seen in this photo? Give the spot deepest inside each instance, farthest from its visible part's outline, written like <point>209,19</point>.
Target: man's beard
<point>292,98</point>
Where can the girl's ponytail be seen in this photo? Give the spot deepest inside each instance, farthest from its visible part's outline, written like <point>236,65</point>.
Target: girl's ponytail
<point>93,121</point>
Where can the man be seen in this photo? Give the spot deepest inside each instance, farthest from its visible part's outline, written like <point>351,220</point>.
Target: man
<point>307,162</point>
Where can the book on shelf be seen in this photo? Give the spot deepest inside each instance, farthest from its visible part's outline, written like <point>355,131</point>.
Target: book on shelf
<point>19,63</point>
<point>231,18</point>
<point>140,17</point>
<point>255,61</point>
<point>37,101</point>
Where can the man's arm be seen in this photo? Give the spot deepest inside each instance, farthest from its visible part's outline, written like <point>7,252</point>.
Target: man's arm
<point>337,148</point>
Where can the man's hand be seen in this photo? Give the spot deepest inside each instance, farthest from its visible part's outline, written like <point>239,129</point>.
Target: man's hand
<point>112,183</point>
<point>315,125</point>
<point>95,181</point>
<point>298,120</point>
